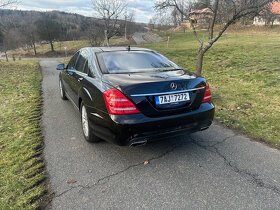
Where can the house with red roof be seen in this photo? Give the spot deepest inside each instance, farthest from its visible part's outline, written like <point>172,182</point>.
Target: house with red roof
<point>270,15</point>
<point>201,17</point>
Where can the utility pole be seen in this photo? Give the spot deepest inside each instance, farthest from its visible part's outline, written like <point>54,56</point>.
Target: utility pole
<point>125,26</point>
<point>106,41</point>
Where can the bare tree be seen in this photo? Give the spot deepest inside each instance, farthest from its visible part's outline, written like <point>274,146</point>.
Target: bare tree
<point>96,34</point>
<point>152,23</point>
<point>5,3</point>
<point>129,25</point>
<point>201,4</point>
<point>176,19</point>
<point>1,41</point>
<point>48,30</point>
<point>5,41</point>
<point>9,41</point>
<point>238,10</point>
<point>30,36</point>
<point>268,15</point>
<point>110,11</point>
<point>163,19</point>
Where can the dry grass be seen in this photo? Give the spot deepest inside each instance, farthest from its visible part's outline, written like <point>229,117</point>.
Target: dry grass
<point>21,165</point>
<point>72,46</point>
<point>244,73</point>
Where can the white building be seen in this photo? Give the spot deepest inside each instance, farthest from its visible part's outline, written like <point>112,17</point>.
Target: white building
<point>269,16</point>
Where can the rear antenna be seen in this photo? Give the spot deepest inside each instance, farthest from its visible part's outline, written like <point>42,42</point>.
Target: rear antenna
<point>128,48</point>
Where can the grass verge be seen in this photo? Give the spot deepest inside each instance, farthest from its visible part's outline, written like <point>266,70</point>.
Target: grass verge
<point>21,165</point>
<point>244,74</point>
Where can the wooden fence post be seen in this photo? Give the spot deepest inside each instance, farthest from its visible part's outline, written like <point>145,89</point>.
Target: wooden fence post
<point>168,39</point>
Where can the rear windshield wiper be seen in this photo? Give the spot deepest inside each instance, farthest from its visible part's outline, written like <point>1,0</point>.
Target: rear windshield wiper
<point>162,70</point>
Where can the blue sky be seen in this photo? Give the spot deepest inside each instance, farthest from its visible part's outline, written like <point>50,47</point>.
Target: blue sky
<point>143,8</point>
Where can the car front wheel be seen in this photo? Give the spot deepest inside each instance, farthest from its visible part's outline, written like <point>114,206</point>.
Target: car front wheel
<point>87,130</point>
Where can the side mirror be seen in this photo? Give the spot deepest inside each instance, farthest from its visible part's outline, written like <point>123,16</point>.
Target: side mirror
<point>60,67</point>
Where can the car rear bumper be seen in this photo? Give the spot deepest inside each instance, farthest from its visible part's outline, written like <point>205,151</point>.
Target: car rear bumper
<point>133,129</point>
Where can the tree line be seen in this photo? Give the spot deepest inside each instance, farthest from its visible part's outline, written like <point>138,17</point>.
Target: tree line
<point>26,28</point>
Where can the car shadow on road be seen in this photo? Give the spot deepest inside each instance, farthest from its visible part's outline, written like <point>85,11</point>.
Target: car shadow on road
<point>141,154</point>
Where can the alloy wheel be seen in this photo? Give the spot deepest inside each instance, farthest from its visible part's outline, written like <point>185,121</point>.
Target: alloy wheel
<point>85,122</point>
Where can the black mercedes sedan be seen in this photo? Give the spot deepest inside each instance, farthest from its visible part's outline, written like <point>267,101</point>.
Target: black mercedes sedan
<point>131,96</point>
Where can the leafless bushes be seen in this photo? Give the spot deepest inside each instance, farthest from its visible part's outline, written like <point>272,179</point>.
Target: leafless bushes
<point>229,11</point>
<point>110,11</point>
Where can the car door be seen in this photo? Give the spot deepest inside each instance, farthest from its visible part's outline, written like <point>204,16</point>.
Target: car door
<point>79,75</point>
<point>68,78</point>
<point>92,84</point>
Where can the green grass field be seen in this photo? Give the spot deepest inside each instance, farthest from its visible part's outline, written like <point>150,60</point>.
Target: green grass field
<point>243,70</point>
<point>21,166</point>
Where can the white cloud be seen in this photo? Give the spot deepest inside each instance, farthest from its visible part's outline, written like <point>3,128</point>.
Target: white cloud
<point>143,8</point>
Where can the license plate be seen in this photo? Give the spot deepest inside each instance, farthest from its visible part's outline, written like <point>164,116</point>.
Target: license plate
<point>174,98</point>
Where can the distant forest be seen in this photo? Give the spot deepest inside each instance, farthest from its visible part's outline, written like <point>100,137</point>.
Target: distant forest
<point>73,26</point>
<point>26,28</point>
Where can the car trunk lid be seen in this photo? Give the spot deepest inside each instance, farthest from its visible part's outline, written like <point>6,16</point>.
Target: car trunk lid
<point>145,89</point>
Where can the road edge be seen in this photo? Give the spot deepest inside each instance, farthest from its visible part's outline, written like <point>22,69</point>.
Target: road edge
<point>247,135</point>
<point>47,198</point>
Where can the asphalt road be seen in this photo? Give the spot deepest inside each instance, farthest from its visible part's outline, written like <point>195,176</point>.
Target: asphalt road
<point>143,38</point>
<point>214,169</point>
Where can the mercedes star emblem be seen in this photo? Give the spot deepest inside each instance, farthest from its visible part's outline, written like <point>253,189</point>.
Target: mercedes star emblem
<point>173,86</point>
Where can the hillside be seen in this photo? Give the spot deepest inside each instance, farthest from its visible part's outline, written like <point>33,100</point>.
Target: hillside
<point>74,26</point>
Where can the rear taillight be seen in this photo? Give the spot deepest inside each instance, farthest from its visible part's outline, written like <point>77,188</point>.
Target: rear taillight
<point>118,104</point>
<point>207,95</point>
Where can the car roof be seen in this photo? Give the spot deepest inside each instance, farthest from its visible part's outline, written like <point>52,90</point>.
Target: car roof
<point>114,49</point>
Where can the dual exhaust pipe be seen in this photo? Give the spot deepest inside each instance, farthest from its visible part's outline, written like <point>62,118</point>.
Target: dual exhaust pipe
<point>138,143</point>
<point>144,142</point>
<point>204,128</point>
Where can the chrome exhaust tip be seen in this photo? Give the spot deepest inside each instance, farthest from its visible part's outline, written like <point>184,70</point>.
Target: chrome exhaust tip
<point>204,128</point>
<point>138,143</point>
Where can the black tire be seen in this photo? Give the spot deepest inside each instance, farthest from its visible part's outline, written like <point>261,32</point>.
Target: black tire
<point>62,91</point>
<point>87,130</point>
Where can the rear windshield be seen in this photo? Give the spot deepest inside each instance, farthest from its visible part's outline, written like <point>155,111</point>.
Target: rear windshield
<point>134,61</point>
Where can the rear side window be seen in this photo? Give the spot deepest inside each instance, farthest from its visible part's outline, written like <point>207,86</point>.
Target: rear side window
<point>86,69</point>
<point>93,66</point>
<point>134,61</point>
<point>80,63</point>
<point>82,60</point>
<point>72,62</point>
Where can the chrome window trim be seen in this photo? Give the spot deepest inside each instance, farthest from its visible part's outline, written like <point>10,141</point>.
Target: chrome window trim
<point>167,93</point>
<point>88,93</point>
<point>97,115</point>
